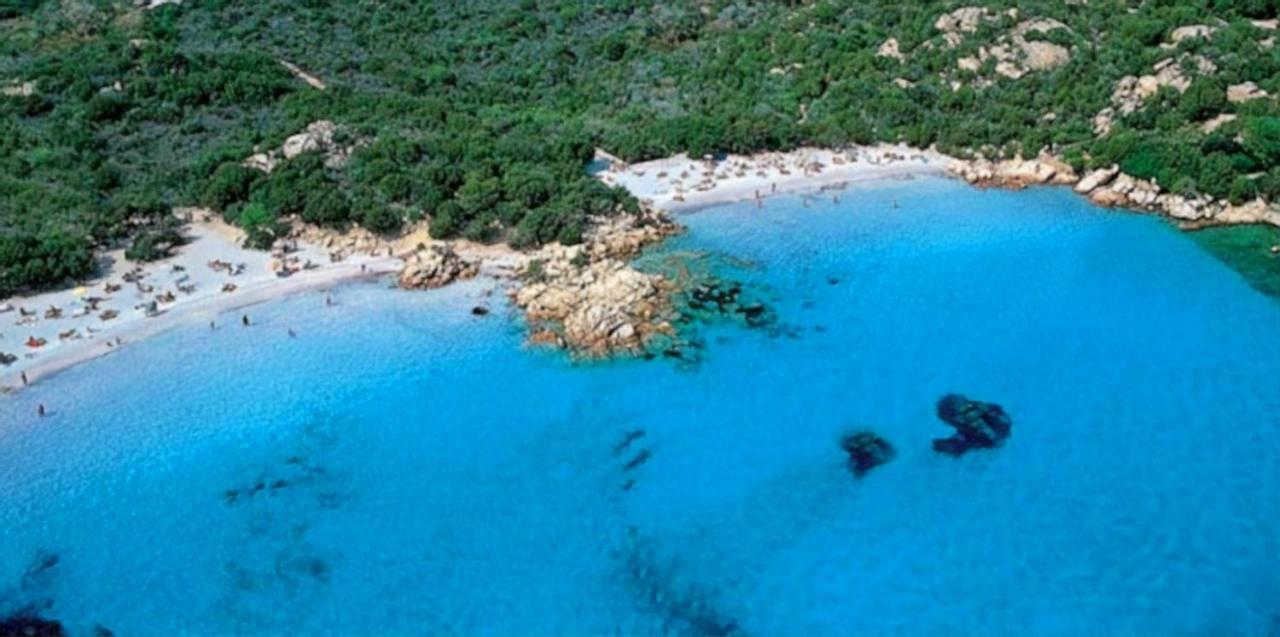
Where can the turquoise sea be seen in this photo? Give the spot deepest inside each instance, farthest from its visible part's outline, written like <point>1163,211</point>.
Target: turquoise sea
<point>402,467</point>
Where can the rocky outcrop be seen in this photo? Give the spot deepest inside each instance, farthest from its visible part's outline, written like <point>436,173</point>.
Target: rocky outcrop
<point>1256,211</point>
<point>340,244</point>
<point>318,136</point>
<point>1014,173</point>
<point>1132,91</point>
<point>866,450</point>
<point>1216,122</point>
<point>1093,179</point>
<point>978,425</point>
<point>436,266</point>
<point>1015,55</point>
<point>890,49</point>
<point>1244,92</point>
<point>1188,32</point>
<point>1104,121</point>
<point>589,299</point>
<point>598,309</point>
<point>623,236</point>
<point>1111,188</point>
<point>956,24</point>
<point>16,89</point>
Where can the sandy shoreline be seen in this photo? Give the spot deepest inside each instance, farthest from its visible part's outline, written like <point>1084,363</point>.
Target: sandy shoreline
<point>682,184</point>
<point>142,300</point>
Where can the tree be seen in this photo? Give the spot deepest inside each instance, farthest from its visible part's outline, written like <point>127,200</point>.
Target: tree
<point>260,226</point>
<point>381,218</point>
<point>1262,139</point>
<point>327,206</point>
<point>446,222</point>
<point>1203,99</point>
<point>28,261</point>
<point>230,184</point>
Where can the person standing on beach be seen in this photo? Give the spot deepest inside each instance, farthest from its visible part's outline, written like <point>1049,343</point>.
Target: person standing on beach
<point>244,320</point>
<point>24,379</point>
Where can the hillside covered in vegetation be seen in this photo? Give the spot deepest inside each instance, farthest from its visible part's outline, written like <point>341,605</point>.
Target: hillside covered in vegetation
<point>481,116</point>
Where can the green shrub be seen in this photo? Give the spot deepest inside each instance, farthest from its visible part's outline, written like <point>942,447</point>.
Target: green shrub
<point>261,227</point>
<point>230,184</point>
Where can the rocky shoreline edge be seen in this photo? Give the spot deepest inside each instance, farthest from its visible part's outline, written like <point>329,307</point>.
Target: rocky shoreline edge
<point>587,298</point>
<point>1109,187</point>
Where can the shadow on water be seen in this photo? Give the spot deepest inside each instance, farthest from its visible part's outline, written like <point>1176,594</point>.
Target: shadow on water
<point>277,506</point>
<point>659,586</point>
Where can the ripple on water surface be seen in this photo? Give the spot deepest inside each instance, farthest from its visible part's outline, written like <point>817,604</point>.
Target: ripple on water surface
<point>405,467</point>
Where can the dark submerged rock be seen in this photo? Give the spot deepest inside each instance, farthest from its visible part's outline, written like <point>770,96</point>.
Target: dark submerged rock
<point>978,425</point>
<point>715,298</point>
<point>479,310</point>
<point>867,450</point>
<point>30,625</point>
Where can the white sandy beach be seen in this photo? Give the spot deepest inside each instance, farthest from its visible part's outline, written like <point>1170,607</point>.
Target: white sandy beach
<point>210,275</point>
<point>683,183</point>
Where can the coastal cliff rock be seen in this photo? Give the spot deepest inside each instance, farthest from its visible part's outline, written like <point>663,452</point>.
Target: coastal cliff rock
<point>436,266</point>
<point>867,450</point>
<point>978,425</point>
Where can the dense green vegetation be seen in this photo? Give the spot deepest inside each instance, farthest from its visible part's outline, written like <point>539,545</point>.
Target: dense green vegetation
<point>480,116</point>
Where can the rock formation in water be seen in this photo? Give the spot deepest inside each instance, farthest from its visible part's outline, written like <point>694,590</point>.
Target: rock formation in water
<point>978,425</point>
<point>717,298</point>
<point>589,299</point>
<point>867,450</point>
<point>29,625</point>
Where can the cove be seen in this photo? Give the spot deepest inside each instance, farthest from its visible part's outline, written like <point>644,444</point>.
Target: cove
<point>405,467</point>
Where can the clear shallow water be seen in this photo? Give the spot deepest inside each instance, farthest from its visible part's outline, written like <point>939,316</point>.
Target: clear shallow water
<point>405,468</point>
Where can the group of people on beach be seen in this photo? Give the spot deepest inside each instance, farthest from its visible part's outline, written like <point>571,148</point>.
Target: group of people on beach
<point>245,321</point>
